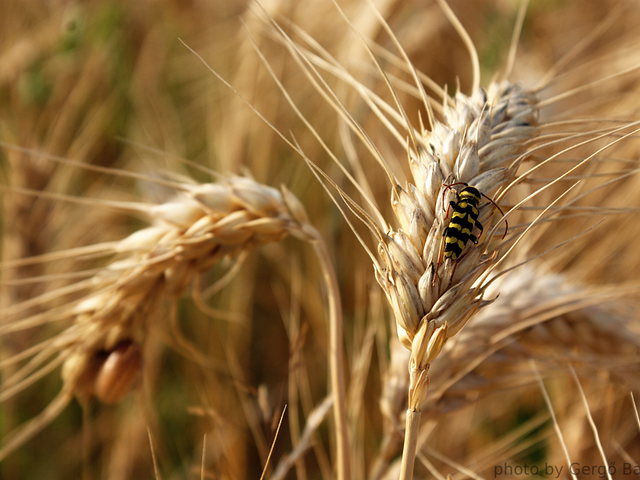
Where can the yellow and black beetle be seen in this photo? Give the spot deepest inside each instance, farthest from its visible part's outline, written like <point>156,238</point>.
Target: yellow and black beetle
<point>464,220</point>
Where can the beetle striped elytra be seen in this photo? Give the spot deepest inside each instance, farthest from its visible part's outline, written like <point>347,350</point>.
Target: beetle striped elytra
<point>464,220</point>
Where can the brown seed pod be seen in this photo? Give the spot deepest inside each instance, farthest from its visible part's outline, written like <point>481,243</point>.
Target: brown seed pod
<point>119,373</point>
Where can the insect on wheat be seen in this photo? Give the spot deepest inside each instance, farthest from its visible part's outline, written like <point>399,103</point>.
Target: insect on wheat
<point>464,220</point>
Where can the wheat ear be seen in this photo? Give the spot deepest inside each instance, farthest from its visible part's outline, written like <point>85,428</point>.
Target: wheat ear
<point>101,352</point>
<point>192,232</point>
<point>552,321</point>
<point>479,143</point>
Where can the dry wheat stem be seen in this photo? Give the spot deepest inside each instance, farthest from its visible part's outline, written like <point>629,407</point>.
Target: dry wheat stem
<point>273,444</point>
<point>336,359</point>
<point>592,424</point>
<point>556,426</point>
<point>314,420</point>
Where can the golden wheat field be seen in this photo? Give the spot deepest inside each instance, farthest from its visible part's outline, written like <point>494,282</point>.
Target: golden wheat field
<point>350,239</point>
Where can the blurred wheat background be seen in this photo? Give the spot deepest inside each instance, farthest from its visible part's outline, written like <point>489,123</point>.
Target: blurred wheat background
<point>109,109</point>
